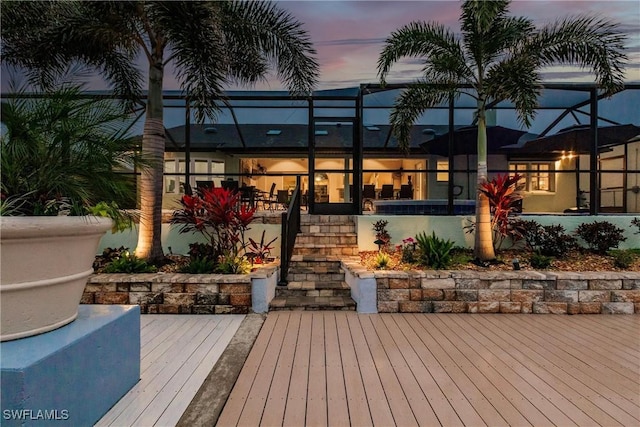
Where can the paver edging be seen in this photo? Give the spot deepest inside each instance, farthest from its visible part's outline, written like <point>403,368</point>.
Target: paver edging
<point>466,291</point>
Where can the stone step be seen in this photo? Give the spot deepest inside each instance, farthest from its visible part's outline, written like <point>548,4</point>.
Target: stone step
<point>315,268</point>
<point>315,303</point>
<point>327,238</point>
<point>327,228</point>
<point>307,249</point>
<point>315,277</point>
<point>326,219</point>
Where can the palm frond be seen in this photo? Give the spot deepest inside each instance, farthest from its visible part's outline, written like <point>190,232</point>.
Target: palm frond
<point>276,36</point>
<point>477,20</point>
<point>410,105</point>
<point>420,40</point>
<point>588,42</point>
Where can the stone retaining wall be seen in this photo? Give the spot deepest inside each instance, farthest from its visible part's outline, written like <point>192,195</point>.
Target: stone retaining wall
<point>177,293</point>
<point>504,291</point>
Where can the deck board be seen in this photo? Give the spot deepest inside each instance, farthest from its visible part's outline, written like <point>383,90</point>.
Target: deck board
<point>339,368</point>
<point>174,367</point>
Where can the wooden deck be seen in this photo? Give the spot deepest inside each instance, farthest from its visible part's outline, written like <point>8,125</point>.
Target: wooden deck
<point>339,368</point>
<point>177,353</point>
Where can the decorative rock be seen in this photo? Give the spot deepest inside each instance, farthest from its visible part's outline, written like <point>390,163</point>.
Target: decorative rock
<point>550,308</point>
<point>494,295</point>
<point>625,296</point>
<point>527,295</point>
<point>600,284</point>
<point>590,307</point>
<point>387,306</point>
<point>618,308</point>
<point>438,284</point>
<point>433,294</point>
<point>466,295</point>
<point>571,284</point>
<point>488,307</point>
<point>594,296</point>
<point>561,296</point>
<point>510,307</point>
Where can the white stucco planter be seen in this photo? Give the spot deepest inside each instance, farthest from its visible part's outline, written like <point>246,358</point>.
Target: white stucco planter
<point>45,264</point>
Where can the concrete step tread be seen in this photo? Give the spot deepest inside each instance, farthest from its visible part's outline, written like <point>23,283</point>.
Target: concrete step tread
<point>316,258</point>
<point>315,285</point>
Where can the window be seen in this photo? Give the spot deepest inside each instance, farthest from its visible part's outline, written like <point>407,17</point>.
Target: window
<point>535,176</point>
<point>442,165</point>
<point>174,170</point>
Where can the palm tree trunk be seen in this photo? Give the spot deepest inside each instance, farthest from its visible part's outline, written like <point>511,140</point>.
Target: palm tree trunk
<point>483,249</point>
<point>152,179</point>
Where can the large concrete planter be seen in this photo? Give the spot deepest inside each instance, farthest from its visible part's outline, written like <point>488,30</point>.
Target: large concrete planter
<point>45,265</point>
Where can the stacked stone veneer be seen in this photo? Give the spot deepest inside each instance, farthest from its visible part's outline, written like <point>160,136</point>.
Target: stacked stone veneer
<point>505,292</point>
<point>176,293</point>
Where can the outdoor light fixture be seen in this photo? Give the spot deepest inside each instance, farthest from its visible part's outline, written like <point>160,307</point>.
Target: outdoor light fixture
<point>516,264</point>
<point>210,130</point>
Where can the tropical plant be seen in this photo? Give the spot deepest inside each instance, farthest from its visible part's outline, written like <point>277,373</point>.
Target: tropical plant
<point>434,251</point>
<point>503,201</point>
<point>218,215</point>
<point>382,260</point>
<point>600,236</point>
<point>540,261</point>
<point>499,57</point>
<point>623,258</point>
<point>258,252</point>
<point>199,266</point>
<point>209,44</point>
<point>63,154</point>
<point>129,263</point>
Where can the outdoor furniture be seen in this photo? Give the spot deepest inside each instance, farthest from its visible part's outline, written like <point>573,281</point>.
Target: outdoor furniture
<point>386,192</point>
<point>368,195</point>
<point>247,195</point>
<point>267,199</point>
<point>201,185</point>
<point>283,198</point>
<point>406,192</point>
<point>230,184</point>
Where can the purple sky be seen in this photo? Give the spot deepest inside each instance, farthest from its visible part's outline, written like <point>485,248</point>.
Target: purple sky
<point>349,35</point>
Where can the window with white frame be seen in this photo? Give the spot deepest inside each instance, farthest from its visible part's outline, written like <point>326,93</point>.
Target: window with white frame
<point>175,183</point>
<point>536,176</point>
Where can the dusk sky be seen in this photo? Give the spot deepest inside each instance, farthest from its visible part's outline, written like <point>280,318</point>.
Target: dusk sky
<point>349,35</point>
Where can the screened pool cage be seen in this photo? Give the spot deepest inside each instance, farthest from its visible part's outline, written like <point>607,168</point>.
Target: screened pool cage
<point>581,154</point>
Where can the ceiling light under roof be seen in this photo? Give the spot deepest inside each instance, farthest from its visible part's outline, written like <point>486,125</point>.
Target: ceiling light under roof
<point>373,128</point>
<point>322,132</point>
<point>210,130</point>
<point>273,132</point>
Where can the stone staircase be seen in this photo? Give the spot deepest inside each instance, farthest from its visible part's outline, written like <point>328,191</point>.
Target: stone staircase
<point>316,280</point>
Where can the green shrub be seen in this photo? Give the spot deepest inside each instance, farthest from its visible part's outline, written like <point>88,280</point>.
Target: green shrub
<point>600,236</point>
<point>233,265</point>
<point>552,240</point>
<point>382,260</point>
<point>434,251</point>
<point>129,263</point>
<point>199,266</point>
<point>537,260</point>
<point>623,259</point>
<point>635,222</point>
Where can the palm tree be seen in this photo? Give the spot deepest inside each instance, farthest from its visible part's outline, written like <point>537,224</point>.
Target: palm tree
<point>210,44</point>
<point>500,57</point>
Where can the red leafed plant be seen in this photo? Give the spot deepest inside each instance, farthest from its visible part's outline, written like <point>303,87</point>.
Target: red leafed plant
<point>505,200</point>
<point>219,215</point>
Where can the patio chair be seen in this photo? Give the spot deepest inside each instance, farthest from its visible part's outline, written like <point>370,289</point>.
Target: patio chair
<point>283,199</point>
<point>230,184</point>
<point>368,195</point>
<point>247,195</point>
<point>268,199</point>
<point>406,192</point>
<point>201,185</point>
<point>386,192</point>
